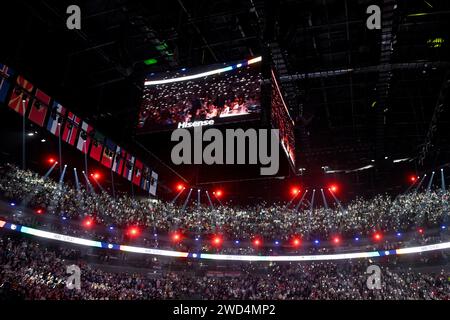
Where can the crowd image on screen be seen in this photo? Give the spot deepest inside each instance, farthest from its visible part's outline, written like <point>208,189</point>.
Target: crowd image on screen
<point>226,95</point>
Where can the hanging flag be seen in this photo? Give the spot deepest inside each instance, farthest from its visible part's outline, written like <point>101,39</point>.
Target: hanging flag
<point>153,183</point>
<point>84,139</point>
<point>97,145</point>
<point>71,129</point>
<point>119,160</point>
<point>39,108</point>
<point>5,74</point>
<point>21,95</point>
<point>145,181</point>
<point>56,117</point>
<point>128,168</point>
<point>137,172</point>
<point>108,153</point>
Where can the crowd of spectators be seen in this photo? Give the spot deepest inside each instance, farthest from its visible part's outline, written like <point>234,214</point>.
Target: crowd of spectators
<point>30,270</point>
<point>33,270</point>
<point>271,221</point>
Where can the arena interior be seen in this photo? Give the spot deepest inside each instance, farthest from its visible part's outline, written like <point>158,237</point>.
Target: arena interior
<point>97,204</point>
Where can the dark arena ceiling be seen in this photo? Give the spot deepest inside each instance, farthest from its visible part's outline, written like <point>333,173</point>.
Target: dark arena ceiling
<point>359,97</point>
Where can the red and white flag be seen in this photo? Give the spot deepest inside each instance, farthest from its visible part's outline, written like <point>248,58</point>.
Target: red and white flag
<point>84,139</point>
<point>71,129</point>
<point>39,108</point>
<point>21,95</point>
<point>137,174</point>
<point>97,146</point>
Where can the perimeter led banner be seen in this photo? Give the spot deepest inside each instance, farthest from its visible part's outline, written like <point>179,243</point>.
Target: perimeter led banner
<point>158,252</point>
<point>60,237</point>
<point>221,257</point>
<point>201,97</point>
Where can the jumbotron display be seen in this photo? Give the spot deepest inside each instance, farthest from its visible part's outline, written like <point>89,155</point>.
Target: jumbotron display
<point>282,120</point>
<point>206,96</point>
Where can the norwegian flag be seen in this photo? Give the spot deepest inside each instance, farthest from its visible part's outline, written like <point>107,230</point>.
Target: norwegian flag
<point>137,172</point>
<point>56,118</point>
<point>71,129</point>
<point>20,93</point>
<point>5,74</point>
<point>119,160</point>
<point>39,108</point>
<point>108,153</point>
<point>85,137</point>
<point>97,145</point>
<point>153,183</point>
<point>128,167</point>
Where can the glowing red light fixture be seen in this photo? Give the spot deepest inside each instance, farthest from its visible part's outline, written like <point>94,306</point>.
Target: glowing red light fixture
<point>133,231</point>
<point>336,240</point>
<point>295,191</point>
<point>176,237</point>
<point>377,236</point>
<point>218,193</point>
<point>257,242</point>
<point>296,241</point>
<point>39,211</point>
<point>180,187</point>
<point>88,222</point>
<point>51,160</point>
<point>217,240</point>
<point>95,175</point>
<point>333,188</point>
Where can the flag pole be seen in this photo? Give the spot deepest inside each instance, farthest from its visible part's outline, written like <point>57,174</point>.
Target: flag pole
<point>112,183</point>
<point>85,160</point>
<point>85,156</point>
<point>59,146</point>
<point>23,135</point>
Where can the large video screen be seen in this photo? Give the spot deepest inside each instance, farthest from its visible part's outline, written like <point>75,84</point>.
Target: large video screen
<point>282,120</point>
<point>206,96</point>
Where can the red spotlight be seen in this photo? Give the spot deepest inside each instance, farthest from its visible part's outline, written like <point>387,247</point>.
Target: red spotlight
<point>88,222</point>
<point>218,193</point>
<point>133,231</point>
<point>39,211</point>
<point>96,175</point>
<point>257,242</point>
<point>176,237</point>
<point>333,188</point>
<point>413,179</point>
<point>377,236</point>
<point>295,191</point>
<point>51,160</point>
<point>336,240</point>
<point>296,241</point>
<point>217,240</point>
<point>420,230</point>
<point>180,187</point>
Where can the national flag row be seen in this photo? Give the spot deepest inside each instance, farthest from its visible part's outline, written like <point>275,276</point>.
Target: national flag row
<point>38,107</point>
